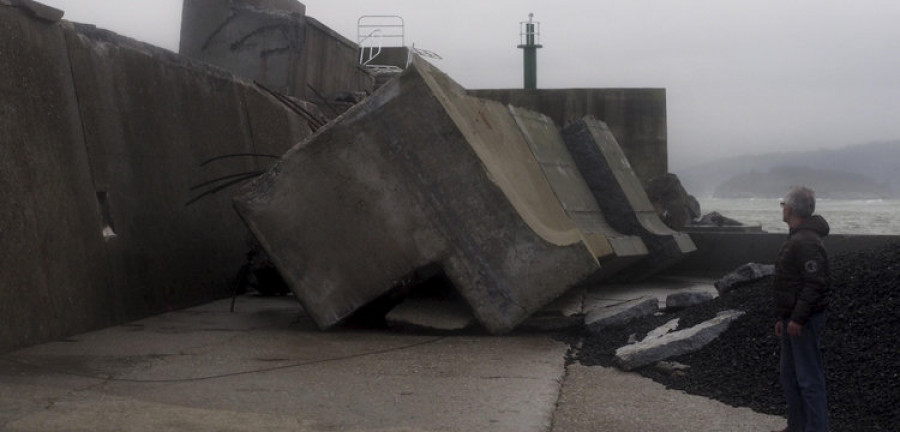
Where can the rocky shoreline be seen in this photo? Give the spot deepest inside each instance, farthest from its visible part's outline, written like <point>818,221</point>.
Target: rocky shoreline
<point>861,346</point>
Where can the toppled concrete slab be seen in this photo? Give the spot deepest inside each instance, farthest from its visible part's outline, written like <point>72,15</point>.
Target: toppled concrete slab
<point>419,173</point>
<point>744,274</point>
<point>621,196</point>
<point>652,350</point>
<point>686,299</point>
<point>619,315</point>
<point>572,190</point>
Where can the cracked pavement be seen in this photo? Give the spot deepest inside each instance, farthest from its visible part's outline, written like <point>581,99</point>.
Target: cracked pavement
<point>267,367</point>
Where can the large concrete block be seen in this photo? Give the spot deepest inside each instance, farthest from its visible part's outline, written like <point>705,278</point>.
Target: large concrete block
<point>574,194</point>
<point>622,197</point>
<point>418,173</point>
<point>637,117</point>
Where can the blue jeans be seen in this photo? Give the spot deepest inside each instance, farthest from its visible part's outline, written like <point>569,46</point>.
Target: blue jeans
<point>803,377</point>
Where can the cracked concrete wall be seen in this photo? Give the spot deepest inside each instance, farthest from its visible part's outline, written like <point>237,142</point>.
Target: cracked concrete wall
<point>104,135</point>
<point>637,118</point>
<point>274,43</point>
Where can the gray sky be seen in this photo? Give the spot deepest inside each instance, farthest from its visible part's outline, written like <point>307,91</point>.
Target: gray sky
<point>742,76</point>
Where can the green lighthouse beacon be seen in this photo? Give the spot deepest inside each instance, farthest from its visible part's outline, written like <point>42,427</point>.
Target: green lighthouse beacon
<point>530,34</point>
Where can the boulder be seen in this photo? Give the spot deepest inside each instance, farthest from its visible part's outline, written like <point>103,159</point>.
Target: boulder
<point>716,218</point>
<point>652,350</point>
<point>670,200</point>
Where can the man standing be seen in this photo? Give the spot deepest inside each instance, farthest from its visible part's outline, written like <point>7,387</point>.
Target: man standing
<point>801,289</point>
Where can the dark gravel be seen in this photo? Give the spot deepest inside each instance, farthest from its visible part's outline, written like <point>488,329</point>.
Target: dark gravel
<point>861,346</point>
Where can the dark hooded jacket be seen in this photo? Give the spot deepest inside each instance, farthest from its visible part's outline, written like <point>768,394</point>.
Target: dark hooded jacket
<point>802,276</point>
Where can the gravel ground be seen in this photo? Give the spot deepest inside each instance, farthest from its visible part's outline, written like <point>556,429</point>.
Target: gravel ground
<point>861,346</point>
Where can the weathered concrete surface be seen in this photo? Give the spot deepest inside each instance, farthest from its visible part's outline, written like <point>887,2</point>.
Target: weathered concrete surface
<point>49,225</point>
<point>651,350</point>
<point>575,195</point>
<point>38,10</point>
<point>272,42</point>
<point>104,136</point>
<point>621,196</point>
<point>637,117</point>
<point>607,399</point>
<point>419,173</point>
<point>267,367</point>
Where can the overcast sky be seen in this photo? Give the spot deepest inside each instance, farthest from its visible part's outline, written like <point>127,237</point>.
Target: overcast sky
<point>741,76</point>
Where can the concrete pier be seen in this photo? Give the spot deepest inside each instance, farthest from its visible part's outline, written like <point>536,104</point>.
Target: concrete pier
<point>268,367</point>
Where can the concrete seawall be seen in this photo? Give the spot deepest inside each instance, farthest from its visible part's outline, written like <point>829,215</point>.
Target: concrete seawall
<point>720,253</point>
<point>103,138</point>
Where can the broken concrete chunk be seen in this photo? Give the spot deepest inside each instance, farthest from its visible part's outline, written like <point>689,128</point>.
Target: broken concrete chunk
<point>663,330</point>
<point>621,197</point>
<point>744,274</point>
<point>431,314</point>
<point>419,173</point>
<point>650,351</point>
<point>685,299</point>
<point>619,315</point>
<point>674,369</point>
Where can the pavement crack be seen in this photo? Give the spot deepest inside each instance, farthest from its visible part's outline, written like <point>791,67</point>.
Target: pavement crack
<point>561,381</point>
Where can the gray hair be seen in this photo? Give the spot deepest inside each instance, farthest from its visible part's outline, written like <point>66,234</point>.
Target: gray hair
<point>802,201</point>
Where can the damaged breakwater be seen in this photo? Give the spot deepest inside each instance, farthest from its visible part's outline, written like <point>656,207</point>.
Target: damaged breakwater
<point>861,346</point>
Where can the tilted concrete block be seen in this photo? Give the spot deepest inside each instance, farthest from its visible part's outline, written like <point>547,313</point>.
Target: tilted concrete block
<point>621,196</point>
<point>419,173</point>
<point>546,143</point>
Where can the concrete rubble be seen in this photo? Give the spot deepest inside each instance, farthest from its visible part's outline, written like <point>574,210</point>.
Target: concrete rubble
<point>685,299</point>
<point>419,174</point>
<point>663,345</point>
<point>742,275</point>
<point>619,315</point>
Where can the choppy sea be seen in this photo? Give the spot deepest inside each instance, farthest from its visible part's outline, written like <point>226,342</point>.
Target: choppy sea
<point>844,216</point>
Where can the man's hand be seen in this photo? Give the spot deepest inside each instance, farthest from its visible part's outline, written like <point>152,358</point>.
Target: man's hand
<point>779,326</point>
<point>794,329</point>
